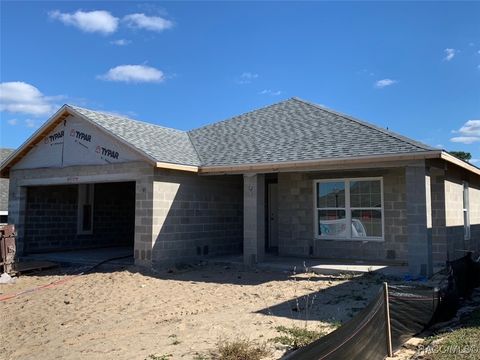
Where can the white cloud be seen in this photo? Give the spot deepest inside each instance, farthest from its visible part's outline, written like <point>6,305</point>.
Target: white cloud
<point>473,161</point>
<point>12,122</point>
<point>270,92</point>
<point>380,84</point>
<point>20,97</point>
<point>89,21</point>
<point>121,42</point>
<point>469,133</point>
<point>152,23</point>
<point>449,54</point>
<point>133,73</point>
<point>465,139</point>
<point>471,127</point>
<point>30,123</point>
<point>247,78</point>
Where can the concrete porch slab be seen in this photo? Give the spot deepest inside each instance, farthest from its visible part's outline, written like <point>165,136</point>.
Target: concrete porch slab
<point>87,256</point>
<point>327,269</point>
<point>319,266</point>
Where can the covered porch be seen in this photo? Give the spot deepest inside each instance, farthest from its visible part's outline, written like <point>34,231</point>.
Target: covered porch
<point>389,215</point>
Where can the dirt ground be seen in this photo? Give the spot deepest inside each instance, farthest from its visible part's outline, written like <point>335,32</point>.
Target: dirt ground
<point>126,313</point>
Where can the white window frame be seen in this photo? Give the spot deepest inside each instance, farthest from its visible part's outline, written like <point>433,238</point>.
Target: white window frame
<point>348,210</point>
<point>466,211</point>
<point>82,200</point>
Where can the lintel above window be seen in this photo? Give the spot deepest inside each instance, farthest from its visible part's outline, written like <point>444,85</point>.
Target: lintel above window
<point>349,209</point>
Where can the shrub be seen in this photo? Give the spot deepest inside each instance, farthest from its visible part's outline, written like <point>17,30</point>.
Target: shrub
<point>239,350</point>
<point>296,337</point>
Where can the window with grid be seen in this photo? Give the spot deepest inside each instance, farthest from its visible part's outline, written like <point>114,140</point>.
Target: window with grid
<point>349,209</point>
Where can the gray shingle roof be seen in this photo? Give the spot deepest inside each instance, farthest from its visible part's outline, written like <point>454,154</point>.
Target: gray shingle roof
<point>161,143</point>
<point>294,130</point>
<point>4,182</point>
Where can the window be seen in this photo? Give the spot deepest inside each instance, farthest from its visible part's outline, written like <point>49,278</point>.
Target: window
<point>466,212</point>
<point>349,209</point>
<point>85,209</point>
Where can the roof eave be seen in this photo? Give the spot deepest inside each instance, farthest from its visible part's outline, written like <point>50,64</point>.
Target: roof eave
<point>319,163</point>
<point>463,164</point>
<point>181,167</point>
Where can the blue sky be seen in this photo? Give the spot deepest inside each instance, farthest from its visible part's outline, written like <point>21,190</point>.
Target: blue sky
<point>411,67</point>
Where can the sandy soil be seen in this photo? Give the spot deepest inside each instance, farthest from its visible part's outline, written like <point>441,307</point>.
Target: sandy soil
<point>122,313</point>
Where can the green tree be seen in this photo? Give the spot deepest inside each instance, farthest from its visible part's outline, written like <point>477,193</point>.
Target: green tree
<point>465,156</point>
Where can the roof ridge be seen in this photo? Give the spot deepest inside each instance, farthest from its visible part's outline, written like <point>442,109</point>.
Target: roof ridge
<point>367,124</point>
<point>239,115</point>
<point>126,118</point>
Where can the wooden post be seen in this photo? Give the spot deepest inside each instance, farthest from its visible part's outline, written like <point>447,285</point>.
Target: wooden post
<point>387,320</point>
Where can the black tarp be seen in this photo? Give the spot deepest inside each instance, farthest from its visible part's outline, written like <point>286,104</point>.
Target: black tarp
<point>411,309</point>
<point>363,337</point>
<point>466,274</point>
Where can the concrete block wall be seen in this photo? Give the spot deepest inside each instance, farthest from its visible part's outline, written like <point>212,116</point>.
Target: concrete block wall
<point>296,217</point>
<point>195,216</point>
<point>457,245</point>
<point>140,172</point>
<point>295,213</point>
<point>51,219</point>
<point>419,219</point>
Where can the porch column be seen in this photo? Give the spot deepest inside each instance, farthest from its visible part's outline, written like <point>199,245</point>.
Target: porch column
<point>419,220</point>
<point>253,218</point>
